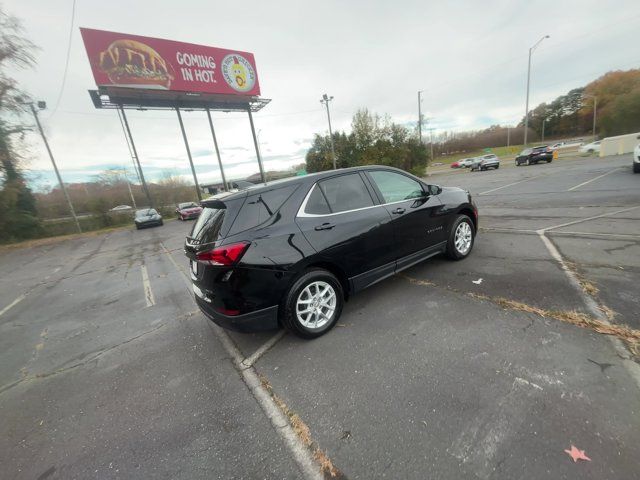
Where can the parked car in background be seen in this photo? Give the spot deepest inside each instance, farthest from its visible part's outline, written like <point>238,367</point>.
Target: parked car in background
<point>485,162</point>
<point>636,159</point>
<point>466,162</point>
<point>289,252</point>
<point>530,156</point>
<point>456,164</point>
<point>120,208</point>
<point>188,210</point>
<point>147,217</point>
<point>589,148</point>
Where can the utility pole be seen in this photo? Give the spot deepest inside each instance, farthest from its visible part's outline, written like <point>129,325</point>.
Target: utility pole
<point>135,156</point>
<point>526,111</point>
<point>543,122</point>
<point>420,115</point>
<point>595,107</point>
<point>55,167</point>
<point>325,101</point>
<point>508,135</point>
<point>431,129</point>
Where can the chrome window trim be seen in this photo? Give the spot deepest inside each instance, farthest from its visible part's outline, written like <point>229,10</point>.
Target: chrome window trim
<point>302,214</point>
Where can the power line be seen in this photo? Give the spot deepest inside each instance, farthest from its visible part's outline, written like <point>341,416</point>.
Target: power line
<point>66,63</point>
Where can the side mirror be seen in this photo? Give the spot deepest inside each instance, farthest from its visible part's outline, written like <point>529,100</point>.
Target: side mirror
<point>435,189</point>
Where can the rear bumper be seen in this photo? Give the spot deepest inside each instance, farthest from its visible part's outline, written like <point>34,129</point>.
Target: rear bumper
<point>257,321</point>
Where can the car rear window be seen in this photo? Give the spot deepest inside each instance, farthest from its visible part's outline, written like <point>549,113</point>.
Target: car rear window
<point>207,227</point>
<point>259,207</point>
<point>346,192</point>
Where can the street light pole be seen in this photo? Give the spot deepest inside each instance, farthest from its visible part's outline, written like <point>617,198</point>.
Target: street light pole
<point>325,101</point>
<point>420,115</point>
<point>55,167</point>
<point>526,112</point>
<point>543,120</point>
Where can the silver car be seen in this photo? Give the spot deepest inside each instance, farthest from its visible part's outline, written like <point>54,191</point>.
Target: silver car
<point>486,162</point>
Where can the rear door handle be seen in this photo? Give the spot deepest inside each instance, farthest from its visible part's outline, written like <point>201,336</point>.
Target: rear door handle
<point>324,226</point>
<point>398,211</point>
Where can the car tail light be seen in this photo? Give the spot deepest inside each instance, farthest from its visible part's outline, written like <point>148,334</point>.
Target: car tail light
<point>226,255</point>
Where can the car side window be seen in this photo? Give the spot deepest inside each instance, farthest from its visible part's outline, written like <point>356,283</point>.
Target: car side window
<point>317,204</point>
<point>346,192</point>
<point>396,187</point>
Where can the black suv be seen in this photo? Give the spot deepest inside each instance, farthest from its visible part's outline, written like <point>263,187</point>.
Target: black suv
<point>529,156</point>
<point>290,252</point>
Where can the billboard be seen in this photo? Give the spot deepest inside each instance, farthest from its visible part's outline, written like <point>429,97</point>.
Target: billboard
<point>132,61</point>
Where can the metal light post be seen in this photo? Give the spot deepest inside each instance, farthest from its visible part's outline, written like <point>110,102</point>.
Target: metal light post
<point>325,101</point>
<point>508,135</point>
<point>526,114</point>
<point>42,105</point>
<point>420,115</point>
<point>543,122</point>
<point>595,107</point>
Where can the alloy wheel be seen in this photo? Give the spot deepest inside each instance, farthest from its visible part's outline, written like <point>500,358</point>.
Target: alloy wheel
<point>316,305</point>
<point>463,238</point>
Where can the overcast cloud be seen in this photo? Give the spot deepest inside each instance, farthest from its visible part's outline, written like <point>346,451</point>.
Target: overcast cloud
<point>470,59</point>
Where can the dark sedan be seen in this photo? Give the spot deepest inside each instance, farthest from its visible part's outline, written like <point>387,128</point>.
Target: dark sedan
<point>291,252</point>
<point>147,217</point>
<point>188,210</point>
<point>530,156</point>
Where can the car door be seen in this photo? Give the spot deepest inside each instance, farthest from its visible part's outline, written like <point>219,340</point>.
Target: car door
<point>418,225</point>
<point>343,221</point>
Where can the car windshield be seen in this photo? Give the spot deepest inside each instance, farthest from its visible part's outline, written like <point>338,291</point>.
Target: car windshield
<point>187,205</point>
<point>526,151</point>
<point>147,212</point>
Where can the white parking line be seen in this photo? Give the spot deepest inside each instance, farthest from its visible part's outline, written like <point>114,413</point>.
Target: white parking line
<point>510,185</point>
<point>587,219</point>
<point>146,285</point>
<point>592,180</point>
<point>255,356</point>
<point>592,306</point>
<point>12,304</point>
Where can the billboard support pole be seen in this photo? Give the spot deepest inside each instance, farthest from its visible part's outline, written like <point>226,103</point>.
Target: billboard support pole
<point>255,143</point>
<point>135,156</point>
<point>215,144</point>
<point>186,145</point>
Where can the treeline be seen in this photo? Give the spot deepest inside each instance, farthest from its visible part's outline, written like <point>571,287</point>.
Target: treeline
<point>110,189</point>
<point>494,136</point>
<point>617,97</point>
<point>372,140</point>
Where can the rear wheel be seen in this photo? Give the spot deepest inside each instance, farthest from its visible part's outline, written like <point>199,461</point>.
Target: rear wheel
<point>636,167</point>
<point>313,304</point>
<point>461,238</point>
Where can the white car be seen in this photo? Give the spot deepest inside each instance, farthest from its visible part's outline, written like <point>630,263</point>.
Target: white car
<point>593,147</point>
<point>636,159</point>
<point>465,163</point>
<point>120,207</point>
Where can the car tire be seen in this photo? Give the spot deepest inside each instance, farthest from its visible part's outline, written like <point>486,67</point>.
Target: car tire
<point>161,222</point>
<point>497,167</point>
<point>636,167</point>
<point>458,251</point>
<point>308,283</point>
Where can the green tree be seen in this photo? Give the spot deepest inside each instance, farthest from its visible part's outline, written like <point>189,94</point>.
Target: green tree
<point>18,218</point>
<point>373,140</point>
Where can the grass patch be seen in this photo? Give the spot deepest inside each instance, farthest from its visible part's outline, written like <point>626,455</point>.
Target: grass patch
<point>304,434</point>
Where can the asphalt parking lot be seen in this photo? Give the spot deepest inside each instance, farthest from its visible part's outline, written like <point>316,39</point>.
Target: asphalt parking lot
<point>448,370</point>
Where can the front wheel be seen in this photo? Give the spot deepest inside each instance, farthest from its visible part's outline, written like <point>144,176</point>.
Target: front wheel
<point>313,304</point>
<point>636,167</point>
<point>461,238</point>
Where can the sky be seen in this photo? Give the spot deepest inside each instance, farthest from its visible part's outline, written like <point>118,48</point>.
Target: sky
<point>469,59</point>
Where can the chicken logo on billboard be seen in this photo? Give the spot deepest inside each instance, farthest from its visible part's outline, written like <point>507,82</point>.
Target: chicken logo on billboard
<point>238,73</point>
